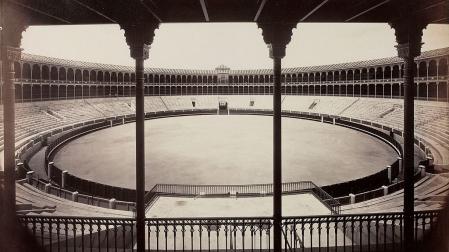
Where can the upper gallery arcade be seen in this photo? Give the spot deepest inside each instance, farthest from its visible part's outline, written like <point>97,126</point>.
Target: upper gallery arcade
<point>43,78</point>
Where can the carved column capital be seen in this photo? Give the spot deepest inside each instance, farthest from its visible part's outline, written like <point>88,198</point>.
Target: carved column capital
<point>277,36</point>
<point>12,34</point>
<point>139,37</point>
<point>409,37</point>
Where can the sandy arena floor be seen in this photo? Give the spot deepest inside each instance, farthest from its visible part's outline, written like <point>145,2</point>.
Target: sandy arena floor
<point>235,149</point>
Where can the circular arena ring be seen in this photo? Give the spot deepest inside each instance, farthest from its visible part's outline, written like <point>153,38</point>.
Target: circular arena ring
<point>96,180</point>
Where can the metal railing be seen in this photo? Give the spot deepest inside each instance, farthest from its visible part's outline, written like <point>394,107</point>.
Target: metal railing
<point>361,232</point>
<point>241,190</point>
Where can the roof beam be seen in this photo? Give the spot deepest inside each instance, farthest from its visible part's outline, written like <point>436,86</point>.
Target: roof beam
<point>95,11</point>
<point>259,10</point>
<point>151,10</point>
<point>204,7</point>
<point>367,10</point>
<point>314,10</point>
<point>40,12</point>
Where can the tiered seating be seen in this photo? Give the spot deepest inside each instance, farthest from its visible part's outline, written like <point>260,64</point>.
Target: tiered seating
<point>430,194</point>
<point>178,102</point>
<point>432,124</point>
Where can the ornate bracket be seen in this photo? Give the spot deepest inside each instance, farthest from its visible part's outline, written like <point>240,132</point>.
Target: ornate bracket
<point>139,37</point>
<point>409,37</point>
<point>277,36</point>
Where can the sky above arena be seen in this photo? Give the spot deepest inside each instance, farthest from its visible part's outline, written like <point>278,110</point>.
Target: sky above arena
<point>237,45</point>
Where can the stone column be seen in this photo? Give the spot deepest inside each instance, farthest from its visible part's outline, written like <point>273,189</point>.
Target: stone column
<point>139,38</point>
<point>11,36</point>
<point>408,36</point>
<point>277,36</point>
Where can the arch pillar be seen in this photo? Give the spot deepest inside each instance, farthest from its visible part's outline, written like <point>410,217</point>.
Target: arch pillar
<point>408,32</point>
<point>139,38</point>
<point>277,36</point>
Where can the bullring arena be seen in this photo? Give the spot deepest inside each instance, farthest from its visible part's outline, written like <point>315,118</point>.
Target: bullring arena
<point>350,156</point>
<point>75,136</point>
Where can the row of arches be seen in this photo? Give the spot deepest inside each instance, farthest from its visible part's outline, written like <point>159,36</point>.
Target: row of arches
<point>36,72</point>
<point>36,92</point>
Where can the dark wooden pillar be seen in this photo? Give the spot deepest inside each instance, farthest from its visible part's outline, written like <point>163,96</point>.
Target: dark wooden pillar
<point>277,36</point>
<point>408,36</point>
<point>139,39</point>
<point>11,36</point>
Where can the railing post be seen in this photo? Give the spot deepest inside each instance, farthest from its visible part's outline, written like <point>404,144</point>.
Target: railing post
<point>29,177</point>
<point>352,198</point>
<point>64,178</point>
<point>112,203</point>
<point>389,174</point>
<point>47,188</point>
<point>385,189</point>
<point>50,170</point>
<point>422,170</point>
<point>75,196</point>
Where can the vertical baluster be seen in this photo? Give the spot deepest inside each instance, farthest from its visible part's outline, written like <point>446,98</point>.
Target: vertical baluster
<point>208,235</point>
<point>166,235</point>
<point>74,227</point>
<point>319,233</point>
<point>336,233</point>
<point>50,231</point>
<point>191,235</point>
<point>183,230</point>
<point>99,234</point>
<point>58,233</point>
<point>174,235</point>
<point>115,235</point>
<point>360,234</point>
<point>416,229</point>
<point>252,230</point>
<point>218,231</point>
<point>107,225</point>
<point>302,233</point>
<point>42,232</point>
<point>82,234</point>
<point>243,234</point>
<point>124,235</point>
<point>311,234</point>
<point>344,234</point>
<point>400,233</point>
<point>149,235</point>
<point>352,234</point>
<point>157,235</point>
<point>66,233</point>
<point>385,233</point>
<point>393,232</point>
<point>226,229</point>
<point>369,232</point>
<point>90,234</point>
<point>377,232</point>
<point>201,235</point>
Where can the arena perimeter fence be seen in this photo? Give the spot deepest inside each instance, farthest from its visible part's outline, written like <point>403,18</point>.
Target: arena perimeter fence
<point>355,232</point>
<point>99,194</point>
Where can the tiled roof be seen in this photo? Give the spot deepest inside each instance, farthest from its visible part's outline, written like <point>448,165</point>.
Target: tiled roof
<point>109,67</point>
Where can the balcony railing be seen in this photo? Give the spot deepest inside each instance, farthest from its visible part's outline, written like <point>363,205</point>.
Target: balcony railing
<point>362,232</point>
